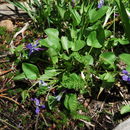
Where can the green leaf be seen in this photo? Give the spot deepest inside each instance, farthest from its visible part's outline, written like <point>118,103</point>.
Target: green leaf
<point>24,95</point>
<point>124,17</point>
<point>31,71</point>
<point>51,32</point>
<point>125,58</point>
<point>108,58</point>
<point>41,90</point>
<point>51,102</point>
<point>125,109</point>
<point>29,9</point>
<point>61,11</point>
<point>94,27</point>
<point>75,16</point>
<point>77,45</point>
<point>53,55</point>
<point>19,76</point>
<point>65,57</point>
<point>100,34</point>
<point>94,14</point>
<point>52,41</point>
<point>65,43</point>
<point>87,60</point>
<point>19,48</point>
<point>49,73</point>
<point>109,77</point>
<point>44,42</point>
<point>108,33</point>
<point>123,41</point>
<point>73,81</point>
<point>73,33</point>
<point>128,68</point>
<point>92,40</point>
<point>79,116</point>
<point>77,56</point>
<point>71,102</point>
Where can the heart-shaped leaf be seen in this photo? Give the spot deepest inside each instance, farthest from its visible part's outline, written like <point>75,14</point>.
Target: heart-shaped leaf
<point>108,58</point>
<point>52,41</point>
<point>71,102</point>
<point>65,43</point>
<point>125,58</point>
<point>31,71</point>
<point>92,40</point>
<point>94,14</point>
<point>77,45</point>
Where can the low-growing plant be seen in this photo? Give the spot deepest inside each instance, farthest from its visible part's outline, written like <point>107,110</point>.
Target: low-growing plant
<point>78,55</point>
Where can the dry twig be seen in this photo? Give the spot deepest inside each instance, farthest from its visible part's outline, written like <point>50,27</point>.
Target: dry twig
<point>10,125</point>
<point>17,33</point>
<point>5,72</point>
<point>87,123</point>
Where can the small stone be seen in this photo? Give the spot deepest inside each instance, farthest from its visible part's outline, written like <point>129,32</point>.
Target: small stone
<point>125,125</point>
<point>8,24</point>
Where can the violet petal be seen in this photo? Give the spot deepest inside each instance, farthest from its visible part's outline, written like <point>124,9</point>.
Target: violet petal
<point>38,49</point>
<point>100,3</point>
<point>32,99</point>
<point>37,41</point>
<point>31,51</point>
<point>37,102</point>
<point>42,106</point>
<point>128,79</point>
<point>37,110</point>
<point>35,45</point>
<point>29,46</point>
<point>125,77</point>
<point>124,71</point>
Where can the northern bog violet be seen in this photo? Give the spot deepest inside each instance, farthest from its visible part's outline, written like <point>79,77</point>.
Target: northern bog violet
<point>38,105</point>
<point>100,3</point>
<point>33,47</point>
<point>126,76</point>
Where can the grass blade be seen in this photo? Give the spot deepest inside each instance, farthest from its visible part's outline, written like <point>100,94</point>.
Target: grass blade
<point>124,18</point>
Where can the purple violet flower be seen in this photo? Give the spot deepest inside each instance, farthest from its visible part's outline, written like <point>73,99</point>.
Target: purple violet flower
<point>33,47</point>
<point>42,106</point>
<point>37,110</point>
<point>37,102</point>
<point>38,105</point>
<point>126,76</point>
<point>100,3</point>
<point>124,71</point>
